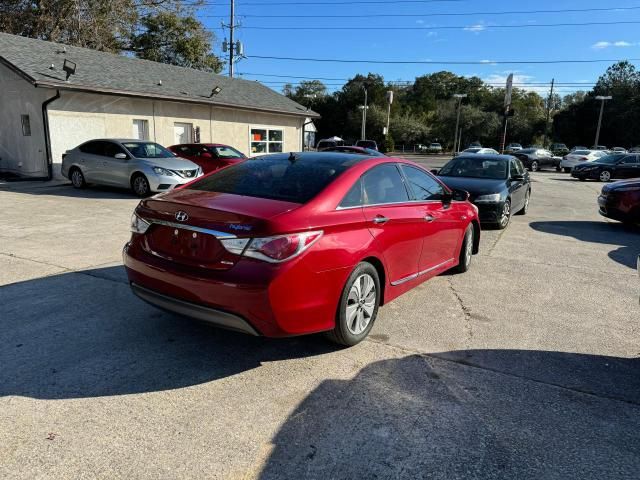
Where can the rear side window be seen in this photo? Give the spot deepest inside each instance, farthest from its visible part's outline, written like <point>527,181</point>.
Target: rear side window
<point>422,185</point>
<point>354,197</point>
<point>383,184</point>
<point>275,178</point>
<point>630,159</point>
<point>94,148</point>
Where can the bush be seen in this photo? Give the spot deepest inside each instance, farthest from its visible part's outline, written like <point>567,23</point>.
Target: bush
<point>388,145</point>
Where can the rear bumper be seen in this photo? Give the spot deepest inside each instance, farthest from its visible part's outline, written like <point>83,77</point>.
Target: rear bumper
<point>210,315</point>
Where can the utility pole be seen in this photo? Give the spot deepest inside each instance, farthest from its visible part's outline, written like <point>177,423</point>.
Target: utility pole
<point>602,99</point>
<point>232,25</point>
<point>546,125</point>
<point>459,96</point>
<point>363,131</point>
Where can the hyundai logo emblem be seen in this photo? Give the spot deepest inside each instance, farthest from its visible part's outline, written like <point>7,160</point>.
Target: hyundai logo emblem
<point>182,216</point>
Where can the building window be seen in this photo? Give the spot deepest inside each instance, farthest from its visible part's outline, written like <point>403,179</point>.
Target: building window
<point>182,133</point>
<point>141,129</point>
<point>265,140</point>
<point>26,125</point>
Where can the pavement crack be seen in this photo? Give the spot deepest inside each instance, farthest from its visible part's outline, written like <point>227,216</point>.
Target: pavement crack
<point>466,311</point>
<point>495,244</point>
<point>12,255</point>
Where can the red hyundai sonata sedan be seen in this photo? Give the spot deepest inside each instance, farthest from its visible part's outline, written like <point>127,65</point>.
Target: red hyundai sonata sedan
<point>292,244</point>
<point>209,156</point>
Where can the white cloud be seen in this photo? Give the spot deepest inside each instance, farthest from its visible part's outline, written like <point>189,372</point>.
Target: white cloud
<point>500,80</point>
<point>419,22</point>
<point>432,34</point>
<point>619,44</point>
<point>476,28</point>
<point>488,62</point>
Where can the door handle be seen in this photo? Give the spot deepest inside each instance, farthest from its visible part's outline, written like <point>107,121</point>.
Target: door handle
<point>429,218</point>
<point>380,220</point>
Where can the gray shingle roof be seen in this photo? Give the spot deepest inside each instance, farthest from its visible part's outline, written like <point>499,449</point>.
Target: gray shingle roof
<point>109,73</point>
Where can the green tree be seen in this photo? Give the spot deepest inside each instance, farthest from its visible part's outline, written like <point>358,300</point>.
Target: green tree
<point>178,40</point>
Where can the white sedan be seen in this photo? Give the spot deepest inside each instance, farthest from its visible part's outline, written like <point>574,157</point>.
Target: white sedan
<point>481,151</point>
<point>574,158</point>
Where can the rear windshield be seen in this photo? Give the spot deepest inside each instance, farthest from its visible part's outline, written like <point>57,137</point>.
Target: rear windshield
<point>582,152</point>
<point>275,178</point>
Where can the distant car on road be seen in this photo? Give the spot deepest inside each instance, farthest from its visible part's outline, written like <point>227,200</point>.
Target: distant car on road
<point>209,156</point>
<point>559,149</point>
<point>634,150</point>
<point>621,201</point>
<point>535,159</point>
<point>598,147</point>
<point>497,184</point>
<point>370,144</point>
<point>578,156</point>
<point>329,142</point>
<point>145,167</point>
<point>480,151</point>
<point>619,150</point>
<point>475,145</point>
<point>608,167</point>
<point>434,148</point>
<point>513,147</point>
<point>352,149</point>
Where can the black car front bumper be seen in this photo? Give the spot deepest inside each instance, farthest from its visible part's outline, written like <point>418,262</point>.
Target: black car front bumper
<point>490,212</point>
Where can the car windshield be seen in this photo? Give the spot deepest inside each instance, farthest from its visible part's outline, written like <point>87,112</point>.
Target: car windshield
<point>517,145</point>
<point>435,145</point>
<point>611,159</point>
<point>529,150</point>
<point>147,150</point>
<point>472,150</point>
<point>225,152</point>
<point>474,167</point>
<point>582,152</point>
<point>276,177</point>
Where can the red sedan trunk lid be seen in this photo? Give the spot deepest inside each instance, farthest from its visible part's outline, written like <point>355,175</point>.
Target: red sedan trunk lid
<point>205,211</point>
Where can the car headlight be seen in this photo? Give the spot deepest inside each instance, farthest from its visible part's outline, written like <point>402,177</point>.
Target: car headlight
<point>138,225</point>
<point>163,171</point>
<point>493,198</point>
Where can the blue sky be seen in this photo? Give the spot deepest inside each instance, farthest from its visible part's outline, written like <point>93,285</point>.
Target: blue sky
<point>476,41</point>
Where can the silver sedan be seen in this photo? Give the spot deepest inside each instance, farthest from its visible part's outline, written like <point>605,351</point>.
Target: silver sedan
<point>143,166</point>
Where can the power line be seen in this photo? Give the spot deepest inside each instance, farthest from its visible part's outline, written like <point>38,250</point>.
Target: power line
<point>346,2</point>
<point>400,81</point>
<point>438,14</point>
<point>440,62</point>
<point>473,28</point>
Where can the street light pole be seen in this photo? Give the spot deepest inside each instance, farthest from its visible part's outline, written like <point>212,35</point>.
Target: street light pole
<point>458,96</point>
<point>602,99</point>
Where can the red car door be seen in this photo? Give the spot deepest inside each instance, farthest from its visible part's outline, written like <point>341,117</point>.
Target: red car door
<point>395,222</point>
<point>442,225</point>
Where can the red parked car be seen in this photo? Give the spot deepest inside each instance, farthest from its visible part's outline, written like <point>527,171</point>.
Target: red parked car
<point>291,244</point>
<point>209,156</point>
<point>621,201</point>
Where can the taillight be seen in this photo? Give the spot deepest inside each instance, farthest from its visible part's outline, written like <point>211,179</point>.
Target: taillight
<point>583,159</point>
<point>275,249</point>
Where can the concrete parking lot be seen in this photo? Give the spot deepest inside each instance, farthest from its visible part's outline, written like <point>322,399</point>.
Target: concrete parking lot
<point>528,366</point>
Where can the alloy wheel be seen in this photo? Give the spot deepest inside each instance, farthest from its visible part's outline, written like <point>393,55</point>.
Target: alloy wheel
<point>534,166</point>
<point>361,304</point>
<point>77,179</point>
<point>468,251</point>
<point>140,186</point>
<point>605,176</point>
<point>506,214</point>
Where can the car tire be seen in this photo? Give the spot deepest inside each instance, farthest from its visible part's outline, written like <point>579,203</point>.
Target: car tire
<point>567,170</point>
<point>140,185</point>
<point>357,306</point>
<point>77,178</point>
<point>582,179</point>
<point>505,217</point>
<point>525,209</point>
<point>558,168</point>
<point>604,176</point>
<point>535,166</point>
<point>466,251</point>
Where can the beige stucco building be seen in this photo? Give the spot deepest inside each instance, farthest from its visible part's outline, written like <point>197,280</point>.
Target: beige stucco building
<point>47,109</point>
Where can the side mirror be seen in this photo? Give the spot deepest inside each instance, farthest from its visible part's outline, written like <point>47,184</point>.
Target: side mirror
<point>517,177</point>
<point>460,195</point>
<point>435,171</point>
<point>120,156</point>
<point>206,155</point>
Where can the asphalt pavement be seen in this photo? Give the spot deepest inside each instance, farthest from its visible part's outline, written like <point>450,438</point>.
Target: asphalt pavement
<point>527,366</point>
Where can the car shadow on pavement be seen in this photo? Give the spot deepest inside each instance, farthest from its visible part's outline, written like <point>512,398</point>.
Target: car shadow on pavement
<point>607,233</point>
<point>84,334</point>
<point>67,190</point>
<point>457,415</point>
